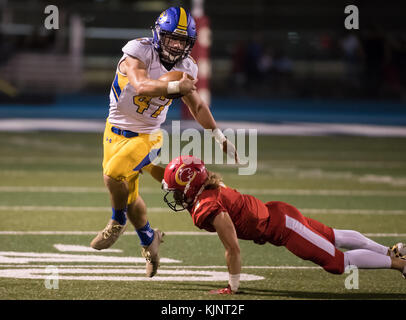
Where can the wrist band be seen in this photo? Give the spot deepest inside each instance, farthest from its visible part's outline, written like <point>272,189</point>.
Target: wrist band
<point>234,281</point>
<point>173,87</point>
<point>218,135</point>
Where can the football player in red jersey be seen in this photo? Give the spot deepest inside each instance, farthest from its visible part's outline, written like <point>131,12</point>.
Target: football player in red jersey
<point>218,208</point>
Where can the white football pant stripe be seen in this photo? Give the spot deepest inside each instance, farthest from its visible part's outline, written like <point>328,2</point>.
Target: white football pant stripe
<point>309,235</point>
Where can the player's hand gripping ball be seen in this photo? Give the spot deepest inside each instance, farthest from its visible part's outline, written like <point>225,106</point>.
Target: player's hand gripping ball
<point>176,76</point>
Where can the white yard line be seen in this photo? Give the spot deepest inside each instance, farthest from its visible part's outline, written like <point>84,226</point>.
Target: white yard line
<point>53,189</point>
<point>27,257</point>
<point>380,235</point>
<point>30,172</point>
<point>352,211</point>
<point>53,208</point>
<point>78,248</point>
<point>169,233</point>
<point>309,192</point>
<point>157,190</point>
<point>274,163</point>
<point>263,128</point>
<point>180,267</point>
<point>88,233</point>
<point>133,274</point>
<point>162,209</point>
<point>15,265</point>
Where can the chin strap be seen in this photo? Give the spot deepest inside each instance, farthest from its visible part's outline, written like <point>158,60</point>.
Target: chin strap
<point>198,193</point>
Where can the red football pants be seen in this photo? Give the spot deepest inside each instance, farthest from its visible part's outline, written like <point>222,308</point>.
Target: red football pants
<point>307,238</point>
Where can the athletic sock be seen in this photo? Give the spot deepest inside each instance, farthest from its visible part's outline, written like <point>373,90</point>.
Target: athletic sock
<point>349,239</point>
<point>366,259</point>
<point>120,215</point>
<point>146,234</point>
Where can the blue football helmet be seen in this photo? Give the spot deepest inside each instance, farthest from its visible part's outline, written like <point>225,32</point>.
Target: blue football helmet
<point>174,34</point>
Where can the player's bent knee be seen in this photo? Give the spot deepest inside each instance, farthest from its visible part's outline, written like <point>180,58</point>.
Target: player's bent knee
<point>363,242</point>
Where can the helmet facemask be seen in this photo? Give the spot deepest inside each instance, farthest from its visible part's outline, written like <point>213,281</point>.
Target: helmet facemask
<point>175,199</point>
<point>179,200</point>
<point>173,47</point>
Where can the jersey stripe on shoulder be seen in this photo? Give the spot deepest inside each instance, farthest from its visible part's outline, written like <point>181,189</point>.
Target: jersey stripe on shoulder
<point>119,83</point>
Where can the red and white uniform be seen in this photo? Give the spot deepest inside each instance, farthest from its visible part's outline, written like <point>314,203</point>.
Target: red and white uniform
<point>275,222</point>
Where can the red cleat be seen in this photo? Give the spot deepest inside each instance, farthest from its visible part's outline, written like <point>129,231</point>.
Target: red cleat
<point>222,291</point>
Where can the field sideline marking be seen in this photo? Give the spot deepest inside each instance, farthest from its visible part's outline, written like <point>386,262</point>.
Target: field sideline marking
<point>161,209</point>
<point>150,190</point>
<point>169,233</point>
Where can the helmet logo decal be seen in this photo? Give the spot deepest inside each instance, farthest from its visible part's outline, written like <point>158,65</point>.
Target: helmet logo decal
<point>163,17</point>
<point>183,177</point>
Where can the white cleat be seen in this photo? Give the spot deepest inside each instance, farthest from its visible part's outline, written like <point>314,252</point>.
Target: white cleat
<point>108,236</point>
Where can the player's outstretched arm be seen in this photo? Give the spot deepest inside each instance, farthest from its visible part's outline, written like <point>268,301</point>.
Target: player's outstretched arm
<point>200,110</point>
<point>228,236</point>
<point>202,114</point>
<point>137,74</point>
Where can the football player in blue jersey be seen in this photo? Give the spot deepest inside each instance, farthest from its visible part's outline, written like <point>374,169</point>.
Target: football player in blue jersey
<point>139,102</point>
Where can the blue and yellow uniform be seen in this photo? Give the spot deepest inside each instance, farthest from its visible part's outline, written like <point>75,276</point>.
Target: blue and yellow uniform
<point>132,137</point>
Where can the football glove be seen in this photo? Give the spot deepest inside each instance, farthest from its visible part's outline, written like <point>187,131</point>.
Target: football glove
<point>226,145</point>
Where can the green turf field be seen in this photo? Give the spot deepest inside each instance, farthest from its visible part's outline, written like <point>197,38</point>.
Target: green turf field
<point>53,202</point>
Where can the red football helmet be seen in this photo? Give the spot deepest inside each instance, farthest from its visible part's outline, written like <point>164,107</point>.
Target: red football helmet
<point>183,179</point>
